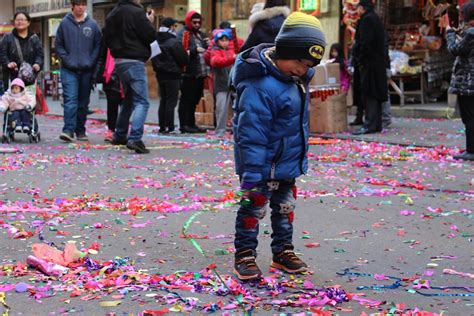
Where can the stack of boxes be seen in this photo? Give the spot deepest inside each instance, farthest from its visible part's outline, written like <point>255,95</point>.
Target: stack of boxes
<point>328,106</point>
<point>205,110</point>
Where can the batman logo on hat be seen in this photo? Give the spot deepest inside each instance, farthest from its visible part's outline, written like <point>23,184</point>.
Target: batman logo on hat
<point>317,51</point>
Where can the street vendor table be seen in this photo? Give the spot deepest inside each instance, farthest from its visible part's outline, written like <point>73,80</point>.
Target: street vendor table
<point>398,81</point>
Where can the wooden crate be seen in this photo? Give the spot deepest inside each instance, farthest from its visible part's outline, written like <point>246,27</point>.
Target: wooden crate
<point>204,119</point>
<point>329,116</point>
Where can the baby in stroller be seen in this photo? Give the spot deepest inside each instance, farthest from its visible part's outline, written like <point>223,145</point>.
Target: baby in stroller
<point>20,104</point>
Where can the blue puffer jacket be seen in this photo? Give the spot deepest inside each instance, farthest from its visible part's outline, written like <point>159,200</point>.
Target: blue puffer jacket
<point>270,119</point>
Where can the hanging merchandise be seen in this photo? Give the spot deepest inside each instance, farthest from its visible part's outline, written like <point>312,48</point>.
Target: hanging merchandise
<point>351,16</point>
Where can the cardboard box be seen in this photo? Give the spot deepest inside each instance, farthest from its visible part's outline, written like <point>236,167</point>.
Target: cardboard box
<point>329,116</point>
<point>204,119</point>
<point>208,102</point>
<point>328,75</point>
<point>200,106</point>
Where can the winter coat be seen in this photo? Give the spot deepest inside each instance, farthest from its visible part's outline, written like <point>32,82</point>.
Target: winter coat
<point>270,121</point>
<point>169,64</point>
<point>18,101</point>
<point>221,63</point>
<point>462,80</point>
<point>265,26</point>
<point>207,54</point>
<point>369,53</point>
<point>78,44</point>
<point>194,67</point>
<point>31,49</point>
<point>128,33</point>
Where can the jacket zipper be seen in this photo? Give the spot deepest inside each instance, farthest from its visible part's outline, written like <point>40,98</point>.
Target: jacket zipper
<point>302,90</point>
<point>281,148</point>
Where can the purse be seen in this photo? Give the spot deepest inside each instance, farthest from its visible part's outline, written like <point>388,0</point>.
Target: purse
<point>25,71</point>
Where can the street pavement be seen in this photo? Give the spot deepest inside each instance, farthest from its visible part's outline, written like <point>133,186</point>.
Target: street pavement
<point>385,218</point>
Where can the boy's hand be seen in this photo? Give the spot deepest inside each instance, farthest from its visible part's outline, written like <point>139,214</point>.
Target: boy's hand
<point>247,185</point>
<point>29,108</point>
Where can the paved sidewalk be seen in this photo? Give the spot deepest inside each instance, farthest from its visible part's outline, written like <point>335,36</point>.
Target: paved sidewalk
<point>426,132</point>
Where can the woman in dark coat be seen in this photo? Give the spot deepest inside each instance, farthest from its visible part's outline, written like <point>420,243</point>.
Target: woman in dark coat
<point>266,24</point>
<point>30,45</point>
<point>462,81</point>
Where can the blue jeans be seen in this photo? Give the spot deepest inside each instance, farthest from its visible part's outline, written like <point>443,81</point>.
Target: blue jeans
<point>77,87</point>
<point>135,85</point>
<point>281,195</point>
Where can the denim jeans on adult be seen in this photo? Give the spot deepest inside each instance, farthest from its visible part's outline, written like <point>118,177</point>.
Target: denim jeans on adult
<point>76,93</point>
<point>281,196</point>
<point>135,85</point>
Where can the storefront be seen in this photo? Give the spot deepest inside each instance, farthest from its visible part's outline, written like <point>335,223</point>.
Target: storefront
<point>419,57</point>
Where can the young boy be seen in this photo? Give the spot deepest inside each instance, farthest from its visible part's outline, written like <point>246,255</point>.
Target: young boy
<point>221,62</point>
<point>271,138</point>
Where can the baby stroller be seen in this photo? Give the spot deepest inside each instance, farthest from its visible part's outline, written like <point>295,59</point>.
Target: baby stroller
<point>34,136</point>
<point>9,126</point>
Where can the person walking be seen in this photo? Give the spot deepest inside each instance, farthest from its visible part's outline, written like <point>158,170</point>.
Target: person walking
<point>461,44</point>
<point>21,45</point>
<point>107,75</point>
<point>196,42</point>
<point>370,57</point>
<point>265,24</point>
<point>168,67</point>
<point>128,34</point>
<point>77,44</point>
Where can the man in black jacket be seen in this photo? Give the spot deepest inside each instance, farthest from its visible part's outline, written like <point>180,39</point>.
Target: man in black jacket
<point>128,34</point>
<point>168,67</point>
<point>196,71</point>
<point>369,53</point>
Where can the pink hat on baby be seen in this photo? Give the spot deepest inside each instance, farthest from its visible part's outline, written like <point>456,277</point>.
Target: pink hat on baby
<point>18,82</point>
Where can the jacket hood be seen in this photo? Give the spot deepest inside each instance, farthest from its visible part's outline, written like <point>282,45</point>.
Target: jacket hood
<point>18,82</point>
<point>15,32</point>
<point>70,17</point>
<point>161,36</point>
<point>187,20</point>
<point>267,14</point>
<point>252,63</point>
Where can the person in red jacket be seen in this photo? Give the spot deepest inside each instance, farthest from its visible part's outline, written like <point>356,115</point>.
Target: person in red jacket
<point>222,60</point>
<point>226,26</point>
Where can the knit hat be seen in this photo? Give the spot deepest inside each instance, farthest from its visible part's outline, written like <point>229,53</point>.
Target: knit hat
<point>300,37</point>
<point>366,3</point>
<point>18,82</point>
<point>219,33</point>
<point>168,22</point>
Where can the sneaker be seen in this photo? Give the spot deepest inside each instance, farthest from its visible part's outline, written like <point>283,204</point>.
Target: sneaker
<point>245,266</point>
<point>26,129</point>
<point>117,141</point>
<point>82,137</point>
<point>288,261</point>
<point>138,146</point>
<point>18,129</point>
<point>108,136</point>
<point>386,124</point>
<point>67,137</point>
<point>356,122</point>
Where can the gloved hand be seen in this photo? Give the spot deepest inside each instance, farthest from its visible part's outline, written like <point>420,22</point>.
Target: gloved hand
<point>350,70</point>
<point>247,185</point>
<point>29,108</point>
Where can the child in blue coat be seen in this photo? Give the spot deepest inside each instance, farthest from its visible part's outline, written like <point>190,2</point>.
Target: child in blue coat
<point>270,127</point>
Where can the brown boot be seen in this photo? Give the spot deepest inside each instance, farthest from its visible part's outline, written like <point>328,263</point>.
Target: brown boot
<point>288,261</point>
<point>245,266</point>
